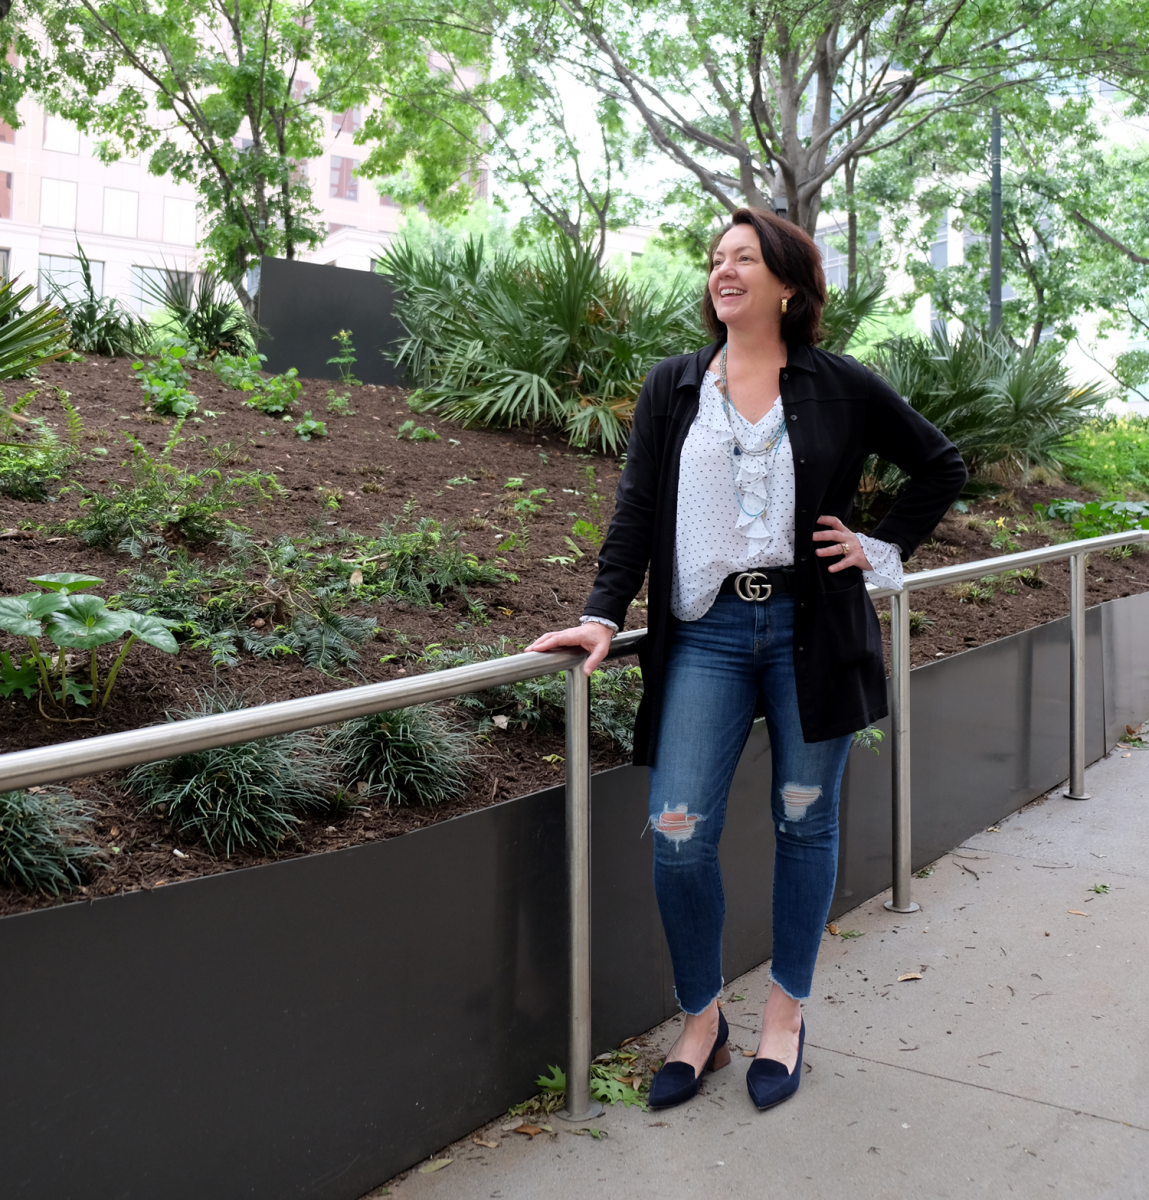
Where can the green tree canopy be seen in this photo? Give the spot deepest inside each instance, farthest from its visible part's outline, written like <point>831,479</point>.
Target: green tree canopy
<point>235,96</point>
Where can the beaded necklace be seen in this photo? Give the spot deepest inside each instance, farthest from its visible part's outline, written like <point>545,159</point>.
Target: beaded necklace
<point>737,448</point>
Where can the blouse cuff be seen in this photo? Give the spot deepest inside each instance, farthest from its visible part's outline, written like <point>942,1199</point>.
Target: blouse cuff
<point>598,621</point>
<point>886,560</point>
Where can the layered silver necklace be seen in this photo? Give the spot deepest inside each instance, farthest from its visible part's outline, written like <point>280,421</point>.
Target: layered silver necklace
<point>736,447</point>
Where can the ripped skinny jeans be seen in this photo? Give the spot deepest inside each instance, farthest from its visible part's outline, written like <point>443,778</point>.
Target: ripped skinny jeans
<point>716,668</point>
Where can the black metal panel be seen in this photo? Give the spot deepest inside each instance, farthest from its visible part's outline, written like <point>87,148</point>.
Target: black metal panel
<point>1126,641</point>
<point>309,1028</point>
<point>303,1029</point>
<point>302,305</point>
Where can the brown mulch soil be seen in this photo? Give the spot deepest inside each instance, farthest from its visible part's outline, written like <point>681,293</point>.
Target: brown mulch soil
<point>377,475</point>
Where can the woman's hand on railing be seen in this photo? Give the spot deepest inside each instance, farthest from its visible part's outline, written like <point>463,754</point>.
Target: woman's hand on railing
<point>591,637</point>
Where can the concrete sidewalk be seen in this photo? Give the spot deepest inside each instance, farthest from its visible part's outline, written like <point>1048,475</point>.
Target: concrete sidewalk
<point>1018,1065</point>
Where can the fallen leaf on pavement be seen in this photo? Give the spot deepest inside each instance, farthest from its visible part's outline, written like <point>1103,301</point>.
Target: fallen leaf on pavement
<point>909,975</point>
<point>489,1145</point>
<point>511,1126</point>
<point>532,1131</point>
<point>833,929</point>
<point>748,1053</point>
<point>436,1164</point>
<point>1076,912</point>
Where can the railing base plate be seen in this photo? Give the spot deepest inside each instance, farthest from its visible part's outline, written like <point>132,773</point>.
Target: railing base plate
<point>893,908</point>
<point>595,1110</point>
<point>1071,796</point>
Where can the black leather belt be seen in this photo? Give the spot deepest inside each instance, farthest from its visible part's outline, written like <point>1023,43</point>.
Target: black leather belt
<point>758,585</point>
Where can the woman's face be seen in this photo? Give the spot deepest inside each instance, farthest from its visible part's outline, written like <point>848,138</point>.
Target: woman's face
<point>744,289</point>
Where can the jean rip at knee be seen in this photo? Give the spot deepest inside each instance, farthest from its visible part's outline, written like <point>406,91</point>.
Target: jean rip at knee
<point>797,799</point>
<point>676,825</point>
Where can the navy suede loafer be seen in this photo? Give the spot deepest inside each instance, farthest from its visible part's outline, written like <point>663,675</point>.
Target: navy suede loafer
<point>676,1082</point>
<point>768,1081</point>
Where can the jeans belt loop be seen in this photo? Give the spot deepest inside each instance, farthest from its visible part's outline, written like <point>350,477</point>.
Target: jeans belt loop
<point>750,584</point>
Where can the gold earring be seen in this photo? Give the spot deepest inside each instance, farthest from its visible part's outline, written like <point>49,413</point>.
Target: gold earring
<point>785,302</point>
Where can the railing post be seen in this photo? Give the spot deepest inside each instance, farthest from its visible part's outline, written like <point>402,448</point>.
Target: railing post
<point>579,1105</point>
<point>900,719</point>
<point>1076,789</point>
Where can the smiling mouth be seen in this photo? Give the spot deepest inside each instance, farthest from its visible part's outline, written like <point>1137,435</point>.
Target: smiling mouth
<point>726,293</point>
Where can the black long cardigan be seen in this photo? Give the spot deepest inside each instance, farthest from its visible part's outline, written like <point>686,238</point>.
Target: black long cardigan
<point>837,413</point>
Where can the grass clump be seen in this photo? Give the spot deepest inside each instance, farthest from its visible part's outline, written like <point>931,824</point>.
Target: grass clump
<point>244,797</point>
<point>406,756</point>
<point>42,841</point>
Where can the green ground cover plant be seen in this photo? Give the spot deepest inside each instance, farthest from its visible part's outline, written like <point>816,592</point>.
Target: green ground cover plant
<point>1110,455</point>
<point>1097,517</point>
<point>33,456</point>
<point>249,796</point>
<point>164,500</point>
<point>308,428</point>
<point>406,756</point>
<point>43,846</point>
<point>58,618</point>
<point>165,382</point>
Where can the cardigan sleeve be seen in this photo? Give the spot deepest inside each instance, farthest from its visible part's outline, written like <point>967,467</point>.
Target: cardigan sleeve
<point>625,553</point>
<point>901,435</point>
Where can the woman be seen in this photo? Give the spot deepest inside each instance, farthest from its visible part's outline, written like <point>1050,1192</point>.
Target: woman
<point>741,470</point>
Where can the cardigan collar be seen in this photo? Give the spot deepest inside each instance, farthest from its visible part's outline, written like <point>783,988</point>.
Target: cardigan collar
<point>799,358</point>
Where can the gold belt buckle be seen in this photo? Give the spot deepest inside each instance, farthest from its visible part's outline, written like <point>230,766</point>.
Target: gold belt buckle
<point>753,585</point>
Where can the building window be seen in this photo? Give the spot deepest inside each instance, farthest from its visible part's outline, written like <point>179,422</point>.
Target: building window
<point>346,122</point>
<point>835,263</point>
<point>179,221</point>
<point>6,195</point>
<point>387,202</point>
<point>5,262</point>
<point>58,203</point>
<point>60,135</point>
<point>7,133</point>
<point>121,210</point>
<point>940,242</point>
<point>63,272</point>
<point>344,185</point>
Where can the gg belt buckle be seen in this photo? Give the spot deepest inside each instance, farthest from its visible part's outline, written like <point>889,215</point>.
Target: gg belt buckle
<point>753,585</point>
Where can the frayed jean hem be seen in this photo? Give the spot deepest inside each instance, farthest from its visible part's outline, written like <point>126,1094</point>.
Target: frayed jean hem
<point>708,1003</point>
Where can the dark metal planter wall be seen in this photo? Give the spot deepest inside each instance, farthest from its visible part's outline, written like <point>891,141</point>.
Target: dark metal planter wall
<point>302,305</point>
<point>309,1028</point>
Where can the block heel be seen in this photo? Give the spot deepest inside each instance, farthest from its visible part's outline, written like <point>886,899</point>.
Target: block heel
<point>677,1082</point>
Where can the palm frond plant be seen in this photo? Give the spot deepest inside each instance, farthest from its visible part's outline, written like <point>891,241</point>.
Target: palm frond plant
<point>99,324</point>
<point>550,341</point>
<point>1006,409</point>
<point>848,310</point>
<point>28,339</point>
<point>205,309</point>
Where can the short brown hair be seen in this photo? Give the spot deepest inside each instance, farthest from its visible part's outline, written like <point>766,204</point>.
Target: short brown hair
<point>792,255</point>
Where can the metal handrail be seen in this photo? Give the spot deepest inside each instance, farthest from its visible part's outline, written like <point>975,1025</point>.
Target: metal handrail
<point>53,764</point>
<point>1076,552</point>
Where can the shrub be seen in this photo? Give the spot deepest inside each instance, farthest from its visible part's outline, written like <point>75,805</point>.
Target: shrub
<point>1003,408</point>
<point>1111,455</point>
<point>505,340</point>
<point>165,382</point>
<point>248,796</point>
<point>164,500</point>
<point>99,324</point>
<point>406,756</point>
<point>205,310</point>
<point>41,846</point>
<point>28,339</point>
<point>32,455</point>
<point>1097,517</point>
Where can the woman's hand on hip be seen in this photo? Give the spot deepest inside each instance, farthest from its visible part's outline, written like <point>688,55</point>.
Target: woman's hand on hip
<point>591,636</point>
<point>844,546</point>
